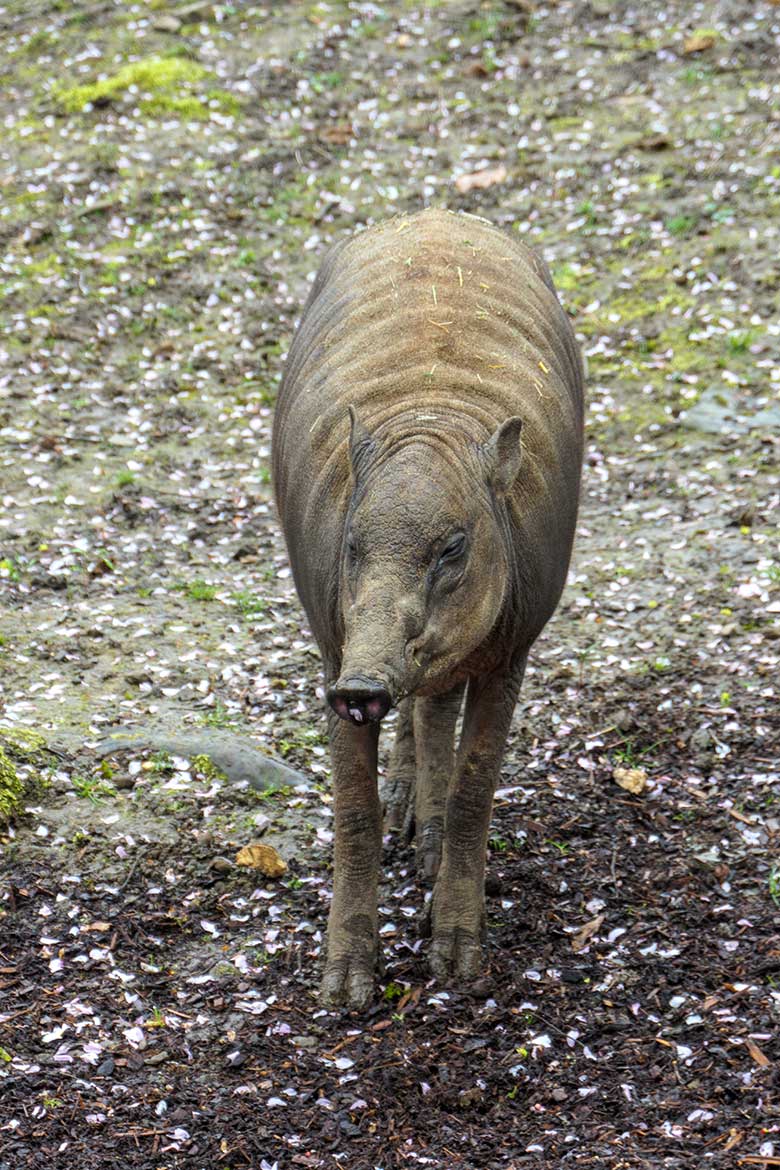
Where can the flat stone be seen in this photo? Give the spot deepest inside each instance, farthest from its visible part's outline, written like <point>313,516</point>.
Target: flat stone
<point>721,411</point>
<point>233,754</point>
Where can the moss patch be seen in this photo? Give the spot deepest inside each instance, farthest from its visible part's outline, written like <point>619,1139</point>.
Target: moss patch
<point>207,768</point>
<point>165,85</point>
<point>22,752</point>
<point>11,790</point>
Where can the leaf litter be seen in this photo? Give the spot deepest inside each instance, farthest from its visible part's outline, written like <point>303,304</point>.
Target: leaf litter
<point>158,1003</point>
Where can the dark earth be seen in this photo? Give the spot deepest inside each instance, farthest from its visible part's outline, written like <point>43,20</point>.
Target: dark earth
<point>171,177</point>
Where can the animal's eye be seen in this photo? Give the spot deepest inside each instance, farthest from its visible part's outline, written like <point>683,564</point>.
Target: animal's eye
<point>453,549</point>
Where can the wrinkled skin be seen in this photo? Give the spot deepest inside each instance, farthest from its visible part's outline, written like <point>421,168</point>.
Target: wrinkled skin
<point>429,524</point>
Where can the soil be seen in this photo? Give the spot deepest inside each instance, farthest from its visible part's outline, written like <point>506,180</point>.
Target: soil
<point>160,226</point>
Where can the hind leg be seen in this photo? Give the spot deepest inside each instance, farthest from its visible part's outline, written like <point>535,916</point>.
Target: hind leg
<point>399,787</point>
<point>434,736</point>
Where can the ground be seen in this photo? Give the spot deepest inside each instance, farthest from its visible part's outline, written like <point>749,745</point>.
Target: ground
<point>171,179</point>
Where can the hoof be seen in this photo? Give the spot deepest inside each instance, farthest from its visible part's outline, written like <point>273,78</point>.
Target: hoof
<point>347,983</point>
<point>457,955</point>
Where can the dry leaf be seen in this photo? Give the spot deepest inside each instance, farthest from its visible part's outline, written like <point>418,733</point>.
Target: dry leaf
<point>654,142</point>
<point>758,1056</point>
<point>338,135</point>
<point>632,779</point>
<point>699,43</point>
<point>262,857</point>
<point>479,180</point>
<point>735,1137</point>
<point>586,934</point>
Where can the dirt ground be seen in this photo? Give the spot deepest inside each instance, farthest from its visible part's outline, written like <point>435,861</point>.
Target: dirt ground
<point>171,177</point>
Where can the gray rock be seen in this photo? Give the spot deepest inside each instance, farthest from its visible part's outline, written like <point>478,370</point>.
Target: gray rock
<point>233,754</point>
<point>720,410</point>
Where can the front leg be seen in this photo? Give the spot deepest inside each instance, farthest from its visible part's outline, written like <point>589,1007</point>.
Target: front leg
<point>352,924</point>
<point>458,908</point>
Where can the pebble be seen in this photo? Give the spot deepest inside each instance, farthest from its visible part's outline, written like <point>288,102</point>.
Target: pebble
<point>167,22</point>
<point>305,1041</point>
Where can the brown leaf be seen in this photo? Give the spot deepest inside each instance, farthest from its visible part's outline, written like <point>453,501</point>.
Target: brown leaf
<point>262,857</point>
<point>757,1054</point>
<point>586,934</point>
<point>699,42</point>
<point>337,135</point>
<point>632,779</point>
<point>654,142</point>
<point>479,180</point>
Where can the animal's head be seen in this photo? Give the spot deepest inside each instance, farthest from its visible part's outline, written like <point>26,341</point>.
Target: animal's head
<point>424,561</point>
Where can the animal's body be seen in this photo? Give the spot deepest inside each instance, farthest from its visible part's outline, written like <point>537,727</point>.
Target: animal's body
<point>426,458</point>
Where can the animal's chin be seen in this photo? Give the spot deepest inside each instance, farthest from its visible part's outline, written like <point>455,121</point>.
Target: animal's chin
<point>439,676</point>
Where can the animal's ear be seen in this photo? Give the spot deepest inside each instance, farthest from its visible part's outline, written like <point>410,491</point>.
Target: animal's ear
<point>501,456</point>
<point>361,445</point>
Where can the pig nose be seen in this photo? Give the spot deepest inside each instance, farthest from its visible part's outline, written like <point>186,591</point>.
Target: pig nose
<point>360,700</point>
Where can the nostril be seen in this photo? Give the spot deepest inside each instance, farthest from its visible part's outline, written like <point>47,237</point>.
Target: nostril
<point>339,704</point>
<point>378,707</point>
<point>359,700</point>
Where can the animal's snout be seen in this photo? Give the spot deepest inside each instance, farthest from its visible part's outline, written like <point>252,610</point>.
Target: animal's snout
<point>360,700</point>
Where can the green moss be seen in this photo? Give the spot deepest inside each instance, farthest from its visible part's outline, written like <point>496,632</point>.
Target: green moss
<point>11,790</point>
<point>20,746</point>
<point>557,125</point>
<point>22,742</point>
<point>635,306</point>
<point>681,225</point>
<point>566,277</point>
<point>207,768</point>
<point>686,355</point>
<point>160,79</point>
<point>47,266</point>
<point>227,102</point>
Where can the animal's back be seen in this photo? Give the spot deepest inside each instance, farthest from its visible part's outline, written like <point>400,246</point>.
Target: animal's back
<point>433,312</point>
